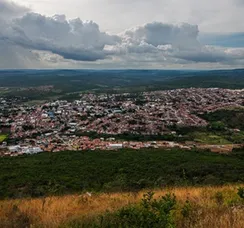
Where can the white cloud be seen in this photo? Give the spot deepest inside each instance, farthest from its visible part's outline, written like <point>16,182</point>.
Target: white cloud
<point>10,10</point>
<point>117,15</point>
<point>33,40</point>
<point>167,43</point>
<point>157,33</point>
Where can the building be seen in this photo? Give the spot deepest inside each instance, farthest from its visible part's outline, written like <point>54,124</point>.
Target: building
<point>115,146</point>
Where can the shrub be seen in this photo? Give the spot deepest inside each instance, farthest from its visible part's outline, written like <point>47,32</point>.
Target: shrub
<point>186,209</point>
<point>149,213</point>
<point>241,192</point>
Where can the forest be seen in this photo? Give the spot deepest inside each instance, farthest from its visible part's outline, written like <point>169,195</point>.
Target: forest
<point>116,171</point>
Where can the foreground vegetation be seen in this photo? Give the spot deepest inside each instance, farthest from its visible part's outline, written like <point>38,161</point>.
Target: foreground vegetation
<point>110,171</point>
<point>219,207</point>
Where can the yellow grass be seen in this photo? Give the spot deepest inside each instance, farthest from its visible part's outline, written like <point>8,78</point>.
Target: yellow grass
<point>51,212</point>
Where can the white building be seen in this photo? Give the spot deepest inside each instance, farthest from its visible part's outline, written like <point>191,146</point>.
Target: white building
<point>115,146</point>
<point>24,150</point>
<point>14,149</point>
<point>31,150</point>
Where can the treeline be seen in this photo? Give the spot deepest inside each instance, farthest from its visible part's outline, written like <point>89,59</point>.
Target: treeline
<point>66,82</point>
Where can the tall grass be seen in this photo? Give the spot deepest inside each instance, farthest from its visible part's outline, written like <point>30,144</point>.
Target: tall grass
<point>202,207</point>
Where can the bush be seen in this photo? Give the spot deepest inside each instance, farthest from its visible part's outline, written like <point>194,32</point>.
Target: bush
<point>241,192</point>
<point>149,213</point>
<point>186,209</point>
<point>189,215</point>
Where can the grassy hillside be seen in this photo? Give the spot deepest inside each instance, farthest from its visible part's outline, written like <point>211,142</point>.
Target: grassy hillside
<point>232,118</point>
<point>124,170</point>
<point>188,207</point>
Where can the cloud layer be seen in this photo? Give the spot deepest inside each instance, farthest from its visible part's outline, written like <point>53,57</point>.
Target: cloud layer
<point>31,40</point>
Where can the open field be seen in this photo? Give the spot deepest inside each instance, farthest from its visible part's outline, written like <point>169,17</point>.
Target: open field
<point>208,138</point>
<point>219,207</point>
<point>2,137</point>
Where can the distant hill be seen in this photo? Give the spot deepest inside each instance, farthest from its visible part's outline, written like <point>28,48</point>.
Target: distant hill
<point>70,81</point>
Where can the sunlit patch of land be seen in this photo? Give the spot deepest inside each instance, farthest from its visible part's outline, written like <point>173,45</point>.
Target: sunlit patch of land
<point>209,207</point>
<point>3,137</point>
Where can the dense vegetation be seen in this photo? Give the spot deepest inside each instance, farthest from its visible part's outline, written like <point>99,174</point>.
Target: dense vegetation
<point>225,127</point>
<point>232,118</point>
<point>123,170</point>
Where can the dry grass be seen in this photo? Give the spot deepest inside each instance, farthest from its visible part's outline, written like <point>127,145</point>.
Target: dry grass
<point>53,212</point>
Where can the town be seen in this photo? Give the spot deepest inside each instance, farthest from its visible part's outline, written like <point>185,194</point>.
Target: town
<point>62,125</point>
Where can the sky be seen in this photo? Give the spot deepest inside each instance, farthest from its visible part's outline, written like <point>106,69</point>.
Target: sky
<point>110,34</point>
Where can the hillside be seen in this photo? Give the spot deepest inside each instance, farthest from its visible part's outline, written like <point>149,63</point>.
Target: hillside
<point>67,84</point>
<point>219,207</point>
<point>111,171</point>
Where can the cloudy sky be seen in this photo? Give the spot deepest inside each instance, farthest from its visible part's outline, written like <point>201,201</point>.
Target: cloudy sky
<point>162,34</point>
